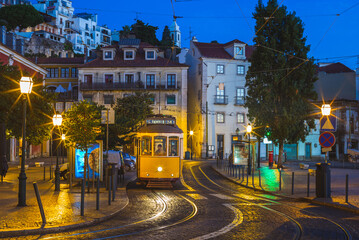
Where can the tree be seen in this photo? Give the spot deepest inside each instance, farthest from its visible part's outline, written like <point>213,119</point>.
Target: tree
<point>130,112</point>
<point>125,32</point>
<point>81,125</point>
<point>145,32</point>
<point>166,41</point>
<point>281,77</point>
<point>21,16</point>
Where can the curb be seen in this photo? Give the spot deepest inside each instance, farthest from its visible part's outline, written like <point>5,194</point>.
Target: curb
<point>41,231</point>
<point>313,201</point>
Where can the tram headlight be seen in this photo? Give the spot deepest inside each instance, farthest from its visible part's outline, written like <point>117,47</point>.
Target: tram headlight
<point>159,169</point>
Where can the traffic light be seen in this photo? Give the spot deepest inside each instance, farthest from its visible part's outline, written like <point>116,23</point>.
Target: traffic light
<point>268,132</point>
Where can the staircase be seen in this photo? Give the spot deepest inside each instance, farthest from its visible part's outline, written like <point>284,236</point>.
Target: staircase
<point>156,184</point>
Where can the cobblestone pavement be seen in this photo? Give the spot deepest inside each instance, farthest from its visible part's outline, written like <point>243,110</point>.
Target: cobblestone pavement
<point>205,205</point>
<point>269,181</point>
<point>62,209</point>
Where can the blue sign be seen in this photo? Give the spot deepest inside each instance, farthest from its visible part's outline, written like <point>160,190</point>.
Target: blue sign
<point>328,124</point>
<point>326,139</point>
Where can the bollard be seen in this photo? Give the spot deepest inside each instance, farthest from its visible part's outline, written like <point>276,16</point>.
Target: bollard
<point>346,187</point>
<point>50,172</point>
<point>280,179</point>
<point>260,180</point>
<point>44,173</point>
<point>82,196</point>
<point>308,183</point>
<point>98,194</point>
<point>292,183</point>
<point>109,190</point>
<point>39,203</point>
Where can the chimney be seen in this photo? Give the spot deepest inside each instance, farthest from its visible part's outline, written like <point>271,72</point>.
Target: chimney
<point>10,41</point>
<point>20,46</point>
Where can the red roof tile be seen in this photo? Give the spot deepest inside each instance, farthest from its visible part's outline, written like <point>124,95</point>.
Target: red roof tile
<point>335,68</point>
<point>139,61</point>
<point>217,50</point>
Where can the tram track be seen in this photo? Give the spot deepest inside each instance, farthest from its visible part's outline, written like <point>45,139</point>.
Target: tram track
<point>295,223</point>
<point>342,228</point>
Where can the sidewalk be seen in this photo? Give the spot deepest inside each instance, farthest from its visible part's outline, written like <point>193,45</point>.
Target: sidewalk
<point>269,182</point>
<point>62,209</point>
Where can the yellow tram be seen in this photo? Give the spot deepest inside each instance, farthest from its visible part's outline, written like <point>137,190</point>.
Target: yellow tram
<point>159,150</point>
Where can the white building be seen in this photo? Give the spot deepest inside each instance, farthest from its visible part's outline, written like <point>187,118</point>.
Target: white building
<point>216,79</point>
<point>132,66</point>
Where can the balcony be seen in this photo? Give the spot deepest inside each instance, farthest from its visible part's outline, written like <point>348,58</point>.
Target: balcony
<point>111,86</point>
<point>221,99</point>
<point>239,101</point>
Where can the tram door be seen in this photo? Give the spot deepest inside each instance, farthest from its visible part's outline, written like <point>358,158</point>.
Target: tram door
<point>220,143</point>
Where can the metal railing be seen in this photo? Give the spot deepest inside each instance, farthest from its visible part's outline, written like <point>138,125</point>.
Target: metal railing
<point>220,99</point>
<point>138,85</point>
<point>239,100</point>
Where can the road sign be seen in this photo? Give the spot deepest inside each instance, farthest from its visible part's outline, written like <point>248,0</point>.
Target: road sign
<point>328,124</point>
<point>111,116</point>
<point>326,139</point>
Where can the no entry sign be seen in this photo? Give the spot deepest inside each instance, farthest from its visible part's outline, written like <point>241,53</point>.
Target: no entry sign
<point>326,139</point>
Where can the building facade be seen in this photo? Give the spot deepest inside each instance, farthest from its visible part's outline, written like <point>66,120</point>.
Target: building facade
<point>132,66</point>
<point>216,95</point>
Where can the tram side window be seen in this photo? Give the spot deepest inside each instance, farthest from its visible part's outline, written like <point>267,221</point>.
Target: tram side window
<point>146,146</point>
<point>160,146</point>
<point>173,142</point>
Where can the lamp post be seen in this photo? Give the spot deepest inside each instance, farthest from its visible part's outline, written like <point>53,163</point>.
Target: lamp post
<point>249,130</point>
<point>63,138</point>
<point>25,88</point>
<point>191,133</point>
<point>326,109</point>
<point>57,120</point>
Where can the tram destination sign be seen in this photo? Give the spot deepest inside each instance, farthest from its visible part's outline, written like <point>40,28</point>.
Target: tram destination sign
<point>161,121</point>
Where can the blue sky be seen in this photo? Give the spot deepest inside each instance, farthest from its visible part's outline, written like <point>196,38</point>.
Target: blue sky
<point>329,35</point>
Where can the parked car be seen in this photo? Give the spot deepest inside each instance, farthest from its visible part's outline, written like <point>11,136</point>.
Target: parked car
<point>129,165</point>
<point>127,156</point>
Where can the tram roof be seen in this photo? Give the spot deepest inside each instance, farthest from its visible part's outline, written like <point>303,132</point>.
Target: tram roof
<point>160,129</point>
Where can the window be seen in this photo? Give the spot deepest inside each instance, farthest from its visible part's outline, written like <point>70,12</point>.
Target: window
<point>129,78</point>
<point>240,117</point>
<point>160,146</point>
<point>108,78</point>
<point>150,54</point>
<point>220,117</point>
<point>220,69</point>
<point>108,99</point>
<point>65,72</point>
<point>171,99</point>
<point>129,55</point>
<point>240,97</point>
<point>150,81</point>
<point>74,72</point>
<point>52,72</point>
<point>220,98</point>
<point>173,146</point>
<point>107,55</point>
<point>88,78</point>
<point>240,70</point>
<point>51,89</point>
<point>146,146</point>
<point>238,51</point>
<point>171,81</point>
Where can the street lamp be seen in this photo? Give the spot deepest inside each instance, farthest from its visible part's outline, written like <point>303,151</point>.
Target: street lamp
<point>326,112</point>
<point>25,88</point>
<point>249,130</point>
<point>191,133</point>
<point>57,120</point>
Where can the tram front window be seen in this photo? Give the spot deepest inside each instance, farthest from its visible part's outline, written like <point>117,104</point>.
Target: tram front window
<point>160,146</point>
<point>173,142</point>
<point>146,146</point>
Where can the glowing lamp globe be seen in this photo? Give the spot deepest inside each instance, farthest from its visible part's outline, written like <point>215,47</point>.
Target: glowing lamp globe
<point>26,84</point>
<point>326,109</point>
<point>57,120</point>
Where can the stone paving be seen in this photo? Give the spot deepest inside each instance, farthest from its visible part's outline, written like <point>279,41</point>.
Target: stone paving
<point>269,181</point>
<point>61,208</point>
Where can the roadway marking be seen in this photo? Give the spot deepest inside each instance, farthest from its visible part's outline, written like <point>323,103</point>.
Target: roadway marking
<point>196,196</point>
<point>221,196</point>
<point>245,196</point>
<point>236,221</point>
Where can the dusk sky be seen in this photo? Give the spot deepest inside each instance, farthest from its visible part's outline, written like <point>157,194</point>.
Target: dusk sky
<point>331,36</point>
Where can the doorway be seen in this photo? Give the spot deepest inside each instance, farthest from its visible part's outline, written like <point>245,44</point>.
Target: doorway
<point>220,146</point>
<point>307,150</point>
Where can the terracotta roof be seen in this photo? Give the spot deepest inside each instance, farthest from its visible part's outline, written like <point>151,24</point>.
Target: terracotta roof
<point>139,61</point>
<point>217,50</point>
<point>335,68</point>
<point>44,61</point>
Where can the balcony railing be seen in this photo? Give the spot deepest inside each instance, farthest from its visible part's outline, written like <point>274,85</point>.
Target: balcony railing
<point>220,99</point>
<point>123,86</point>
<point>240,101</point>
